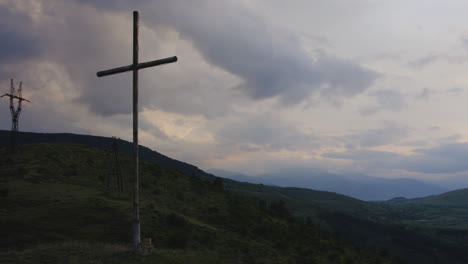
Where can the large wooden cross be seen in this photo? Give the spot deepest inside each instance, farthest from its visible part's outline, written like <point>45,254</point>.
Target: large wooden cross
<point>135,67</point>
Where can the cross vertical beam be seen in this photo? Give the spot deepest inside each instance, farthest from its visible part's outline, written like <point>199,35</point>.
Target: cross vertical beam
<point>134,67</point>
<point>136,208</point>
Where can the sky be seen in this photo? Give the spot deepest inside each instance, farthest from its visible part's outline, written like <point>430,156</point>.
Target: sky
<point>365,86</point>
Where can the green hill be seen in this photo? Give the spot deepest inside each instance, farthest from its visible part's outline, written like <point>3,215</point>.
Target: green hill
<point>386,227</point>
<point>308,203</point>
<point>56,208</point>
<point>373,225</point>
<point>447,210</point>
<point>453,198</point>
<point>103,143</point>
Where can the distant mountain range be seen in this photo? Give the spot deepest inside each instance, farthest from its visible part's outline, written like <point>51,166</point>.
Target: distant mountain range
<point>358,186</point>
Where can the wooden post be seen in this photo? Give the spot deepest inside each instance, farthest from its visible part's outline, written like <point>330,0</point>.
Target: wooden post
<point>136,209</point>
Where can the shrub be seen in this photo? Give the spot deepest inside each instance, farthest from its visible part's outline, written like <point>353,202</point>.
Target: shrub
<point>4,191</point>
<point>175,220</point>
<point>177,240</point>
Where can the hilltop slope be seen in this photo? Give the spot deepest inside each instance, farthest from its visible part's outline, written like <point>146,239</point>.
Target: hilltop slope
<point>453,198</point>
<point>56,207</point>
<point>448,210</point>
<point>103,143</point>
<point>374,225</point>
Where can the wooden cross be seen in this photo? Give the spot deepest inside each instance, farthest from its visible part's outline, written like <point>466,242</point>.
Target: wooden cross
<point>135,67</point>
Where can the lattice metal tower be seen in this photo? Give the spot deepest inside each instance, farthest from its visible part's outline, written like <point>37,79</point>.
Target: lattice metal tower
<point>15,113</point>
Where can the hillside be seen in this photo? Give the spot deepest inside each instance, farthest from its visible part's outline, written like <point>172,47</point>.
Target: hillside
<point>303,208</point>
<point>453,198</point>
<point>56,207</point>
<point>103,143</point>
<point>370,224</point>
<point>306,202</point>
<point>377,225</point>
<point>448,210</point>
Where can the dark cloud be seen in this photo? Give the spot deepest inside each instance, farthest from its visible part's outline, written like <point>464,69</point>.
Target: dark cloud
<point>249,148</point>
<point>116,5</point>
<point>343,78</point>
<point>425,93</point>
<point>415,143</point>
<point>152,129</point>
<point>81,38</point>
<point>271,62</point>
<point>449,158</point>
<point>390,133</point>
<point>464,40</point>
<point>454,151</point>
<point>385,100</point>
<point>264,131</point>
<point>16,47</point>
<point>361,155</point>
<point>430,165</point>
<point>455,90</point>
<point>33,120</point>
<point>450,139</point>
<point>425,61</point>
<point>71,41</point>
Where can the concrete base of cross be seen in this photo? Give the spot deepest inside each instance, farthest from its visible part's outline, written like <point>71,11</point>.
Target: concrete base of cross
<point>145,247</point>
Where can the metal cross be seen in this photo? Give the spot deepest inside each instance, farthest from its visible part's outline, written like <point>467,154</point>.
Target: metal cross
<point>135,67</point>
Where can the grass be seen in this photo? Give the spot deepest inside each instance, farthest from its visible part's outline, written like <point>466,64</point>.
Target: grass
<point>78,252</point>
<point>448,210</point>
<point>56,208</point>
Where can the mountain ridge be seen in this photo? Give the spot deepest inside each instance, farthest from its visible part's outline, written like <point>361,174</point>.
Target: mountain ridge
<point>361,187</point>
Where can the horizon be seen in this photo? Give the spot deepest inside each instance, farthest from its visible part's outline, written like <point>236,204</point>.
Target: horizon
<point>363,88</point>
<point>358,186</point>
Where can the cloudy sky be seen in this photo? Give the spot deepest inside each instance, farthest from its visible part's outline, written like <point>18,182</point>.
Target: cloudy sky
<point>363,86</point>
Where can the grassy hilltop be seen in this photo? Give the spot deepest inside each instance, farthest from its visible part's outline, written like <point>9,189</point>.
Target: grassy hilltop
<point>56,208</point>
<point>54,199</point>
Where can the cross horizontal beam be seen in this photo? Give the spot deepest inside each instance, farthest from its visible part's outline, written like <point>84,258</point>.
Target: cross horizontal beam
<point>138,67</point>
<point>15,97</point>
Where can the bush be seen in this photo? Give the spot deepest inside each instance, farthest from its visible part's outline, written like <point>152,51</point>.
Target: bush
<point>218,183</point>
<point>279,209</point>
<point>175,220</point>
<point>177,240</point>
<point>4,191</point>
